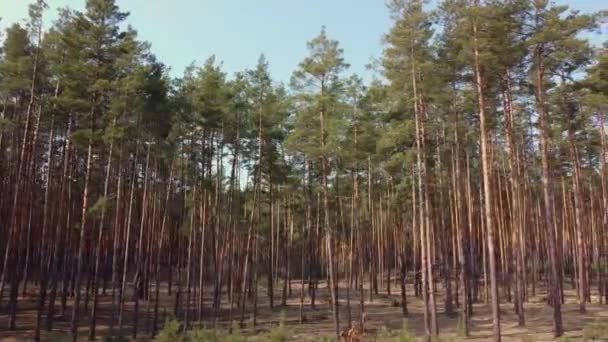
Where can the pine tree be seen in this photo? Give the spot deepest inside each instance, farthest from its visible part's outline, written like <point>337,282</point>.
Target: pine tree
<point>407,60</point>
<point>318,81</point>
<point>129,195</point>
<point>551,31</point>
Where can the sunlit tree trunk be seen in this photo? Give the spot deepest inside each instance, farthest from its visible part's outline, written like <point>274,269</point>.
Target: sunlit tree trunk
<point>554,291</point>
<point>487,186</point>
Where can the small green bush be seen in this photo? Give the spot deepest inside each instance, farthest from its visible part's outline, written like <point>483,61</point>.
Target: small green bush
<point>460,327</point>
<point>280,333</point>
<point>170,332</point>
<point>401,335</point>
<point>204,335</point>
<point>595,331</point>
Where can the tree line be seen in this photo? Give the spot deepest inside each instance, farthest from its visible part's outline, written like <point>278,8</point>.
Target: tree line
<point>472,168</point>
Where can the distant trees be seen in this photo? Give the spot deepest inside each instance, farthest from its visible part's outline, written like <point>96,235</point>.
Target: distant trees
<point>128,194</point>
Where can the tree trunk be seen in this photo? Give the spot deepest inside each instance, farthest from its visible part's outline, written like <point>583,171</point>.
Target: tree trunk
<point>81,244</point>
<point>487,186</point>
<point>326,227</point>
<point>93,319</point>
<point>554,291</point>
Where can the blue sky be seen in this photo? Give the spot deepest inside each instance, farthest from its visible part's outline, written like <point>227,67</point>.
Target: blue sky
<point>238,31</point>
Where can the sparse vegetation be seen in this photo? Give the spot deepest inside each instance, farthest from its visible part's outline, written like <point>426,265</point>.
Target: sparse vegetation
<point>172,332</point>
<point>399,335</point>
<point>596,331</point>
<point>464,174</point>
<point>527,338</point>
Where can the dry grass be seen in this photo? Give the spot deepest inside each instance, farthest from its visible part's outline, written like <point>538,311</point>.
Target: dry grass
<point>382,318</point>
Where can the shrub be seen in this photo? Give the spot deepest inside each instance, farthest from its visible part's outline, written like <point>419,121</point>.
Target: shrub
<point>595,331</point>
<point>460,327</point>
<point>279,333</point>
<point>204,335</point>
<point>170,332</point>
<point>401,335</point>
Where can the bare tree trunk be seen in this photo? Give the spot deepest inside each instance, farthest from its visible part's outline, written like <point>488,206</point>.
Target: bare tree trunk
<point>81,244</point>
<point>189,261</point>
<point>487,170</point>
<point>604,206</point>
<point>516,199</point>
<point>461,232</point>
<point>93,319</point>
<point>115,245</point>
<point>539,75</point>
<point>54,260</point>
<point>44,245</point>
<point>430,320</point>
<point>326,224</point>
<point>127,239</point>
<point>578,203</point>
<point>159,252</point>
<point>138,278</point>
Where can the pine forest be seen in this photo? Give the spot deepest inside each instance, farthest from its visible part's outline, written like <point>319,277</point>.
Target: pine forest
<point>459,193</point>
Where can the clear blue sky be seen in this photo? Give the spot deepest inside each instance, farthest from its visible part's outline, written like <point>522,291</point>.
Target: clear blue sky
<point>238,31</point>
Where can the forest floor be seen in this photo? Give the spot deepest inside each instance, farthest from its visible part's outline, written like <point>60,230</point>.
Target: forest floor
<point>384,312</point>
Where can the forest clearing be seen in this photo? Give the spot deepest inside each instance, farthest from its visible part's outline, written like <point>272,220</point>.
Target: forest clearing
<point>458,191</point>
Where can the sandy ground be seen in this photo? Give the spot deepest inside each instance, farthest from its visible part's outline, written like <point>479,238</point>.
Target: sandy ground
<point>382,312</point>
